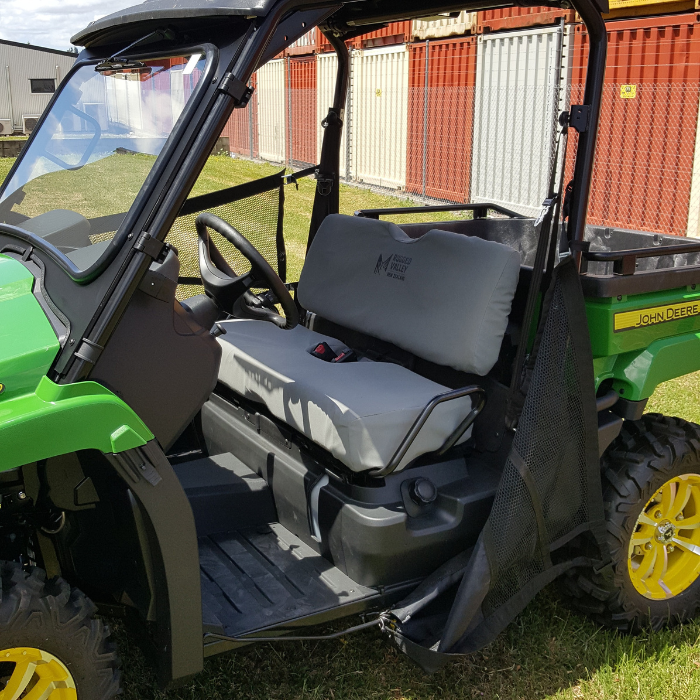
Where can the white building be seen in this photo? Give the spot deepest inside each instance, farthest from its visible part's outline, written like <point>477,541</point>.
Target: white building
<point>29,75</point>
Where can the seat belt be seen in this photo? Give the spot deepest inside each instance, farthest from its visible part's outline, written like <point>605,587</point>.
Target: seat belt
<point>547,241</point>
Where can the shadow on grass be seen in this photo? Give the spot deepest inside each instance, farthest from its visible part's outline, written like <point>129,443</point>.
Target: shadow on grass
<point>548,651</point>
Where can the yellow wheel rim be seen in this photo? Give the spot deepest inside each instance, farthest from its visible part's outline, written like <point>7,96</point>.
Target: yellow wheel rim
<point>37,675</point>
<point>664,551</point>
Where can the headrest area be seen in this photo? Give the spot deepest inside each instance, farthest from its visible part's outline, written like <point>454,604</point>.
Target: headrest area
<point>443,296</point>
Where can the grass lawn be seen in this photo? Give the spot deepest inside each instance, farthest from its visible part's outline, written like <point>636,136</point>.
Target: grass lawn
<point>5,165</point>
<point>547,652</point>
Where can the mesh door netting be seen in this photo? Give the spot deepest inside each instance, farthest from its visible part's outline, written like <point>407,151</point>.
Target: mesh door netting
<point>255,209</point>
<point>549,493</point>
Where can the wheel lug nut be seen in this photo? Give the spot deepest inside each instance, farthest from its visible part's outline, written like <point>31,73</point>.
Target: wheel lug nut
<point>658,514</point>
<point>648,545</point>
<point>679,516</point>
<point>671,548</point>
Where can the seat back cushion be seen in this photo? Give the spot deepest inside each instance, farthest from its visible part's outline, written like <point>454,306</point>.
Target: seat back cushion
<point>444,296</point>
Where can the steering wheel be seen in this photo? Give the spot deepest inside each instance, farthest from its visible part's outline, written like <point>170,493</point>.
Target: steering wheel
<point>227,289</point>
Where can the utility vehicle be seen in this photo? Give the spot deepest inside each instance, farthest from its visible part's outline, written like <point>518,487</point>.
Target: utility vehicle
<point>433,422</point>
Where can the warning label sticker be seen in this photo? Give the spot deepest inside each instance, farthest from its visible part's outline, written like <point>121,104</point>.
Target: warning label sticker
<point>639,318</point>
<point>628,92</point>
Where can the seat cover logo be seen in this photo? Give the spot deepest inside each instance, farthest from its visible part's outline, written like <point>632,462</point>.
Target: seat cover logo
<point>395,266</point>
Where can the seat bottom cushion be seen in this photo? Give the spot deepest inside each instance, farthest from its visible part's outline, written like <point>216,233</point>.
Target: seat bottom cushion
<point>358,411</point>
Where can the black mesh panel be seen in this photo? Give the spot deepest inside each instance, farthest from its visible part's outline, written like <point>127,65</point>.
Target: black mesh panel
<point>257,216</point>
<point>549,493</point>
<point>551,439</point>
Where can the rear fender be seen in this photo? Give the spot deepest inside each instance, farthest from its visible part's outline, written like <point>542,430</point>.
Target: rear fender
<point>635,375</point>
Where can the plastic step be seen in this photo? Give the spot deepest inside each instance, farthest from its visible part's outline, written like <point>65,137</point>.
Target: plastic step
<point>225,494</point>
<point>262,577</point>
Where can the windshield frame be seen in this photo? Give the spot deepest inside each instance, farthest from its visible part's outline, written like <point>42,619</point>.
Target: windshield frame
<point>211,53</point>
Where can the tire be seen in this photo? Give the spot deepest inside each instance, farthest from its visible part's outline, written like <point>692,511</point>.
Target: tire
<point>648,454</point>
<point>50,621</point>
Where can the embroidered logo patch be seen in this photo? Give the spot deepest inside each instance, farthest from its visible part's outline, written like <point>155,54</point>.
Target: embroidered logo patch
<point>395,266</point>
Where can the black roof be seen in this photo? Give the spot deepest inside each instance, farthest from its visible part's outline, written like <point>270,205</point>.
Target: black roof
<point>167,11</point>
<point>46,49</point>
<point>152,14</point>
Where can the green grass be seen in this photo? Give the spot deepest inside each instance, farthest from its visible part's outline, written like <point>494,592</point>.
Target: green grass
<point>108,186</point>
<point>5,165</point>
<point>221,172</point>
<point>547,652</point>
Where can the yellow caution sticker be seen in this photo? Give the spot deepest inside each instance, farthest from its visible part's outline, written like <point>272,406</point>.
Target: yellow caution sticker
<point>640,318</point>
<point>628,92</point>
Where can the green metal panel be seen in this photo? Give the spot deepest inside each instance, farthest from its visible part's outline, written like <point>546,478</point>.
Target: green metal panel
<point>636,375</point>
<point>640,341</point>
<point>28,344</point>
<point>40,419</point>
<point>55,420</point>
<point>606,341</point>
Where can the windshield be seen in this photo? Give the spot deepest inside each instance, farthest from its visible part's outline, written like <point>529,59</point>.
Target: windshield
<point>86,165</point>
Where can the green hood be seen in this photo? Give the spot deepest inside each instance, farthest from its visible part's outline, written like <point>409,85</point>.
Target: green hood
<point>28,344</point>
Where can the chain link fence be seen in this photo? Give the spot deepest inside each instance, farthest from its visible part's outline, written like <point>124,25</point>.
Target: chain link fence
<point>474,119</point>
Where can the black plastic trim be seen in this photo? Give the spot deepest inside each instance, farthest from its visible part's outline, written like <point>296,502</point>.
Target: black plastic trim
<point>480,210</point>
<point>172,547</point>
<point>599,287</point>
<point>231,194</point>
<point>630,410</point>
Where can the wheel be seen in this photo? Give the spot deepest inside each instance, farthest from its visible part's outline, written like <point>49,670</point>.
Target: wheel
<point>651,490</point>
<point>51,646</point>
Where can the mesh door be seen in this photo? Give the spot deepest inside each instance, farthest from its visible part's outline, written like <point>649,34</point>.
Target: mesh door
<point>255,209</point>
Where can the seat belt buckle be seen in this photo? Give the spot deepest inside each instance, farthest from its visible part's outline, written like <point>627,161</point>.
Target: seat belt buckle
<point>324,352</point>
<point>345,356</point>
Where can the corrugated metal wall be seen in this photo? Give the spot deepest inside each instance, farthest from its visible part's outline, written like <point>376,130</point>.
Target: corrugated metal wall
<point>501,92</point>
<point>326,69</point>
<point>520,17</point>
<point>271,111</point>
<point>393,33</point>
<point>19,64</point>
<point>242,127</point>
<point>440,118</point>
<point>380,116</point>
<point>464,23</point>
<point>645,177</point>
<point>518,81</point>
<point>301,81</point>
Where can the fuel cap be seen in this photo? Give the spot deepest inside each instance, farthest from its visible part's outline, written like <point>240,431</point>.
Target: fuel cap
<point>423,491</point>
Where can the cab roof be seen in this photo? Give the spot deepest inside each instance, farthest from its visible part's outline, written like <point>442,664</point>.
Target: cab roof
<point>135,20</point>
<point>169,12</point>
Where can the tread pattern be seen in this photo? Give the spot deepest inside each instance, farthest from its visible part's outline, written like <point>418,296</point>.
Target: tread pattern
<point>61,620</point>
<point>647,453</point>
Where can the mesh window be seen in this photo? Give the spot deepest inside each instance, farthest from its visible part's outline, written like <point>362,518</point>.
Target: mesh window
<point>258,216</point>
<point>551,441</point>
<point>549,493</point>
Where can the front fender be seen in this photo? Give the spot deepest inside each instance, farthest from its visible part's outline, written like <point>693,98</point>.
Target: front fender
<point>59,419</point>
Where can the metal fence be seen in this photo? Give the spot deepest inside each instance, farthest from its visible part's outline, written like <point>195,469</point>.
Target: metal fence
<point>474,118</point>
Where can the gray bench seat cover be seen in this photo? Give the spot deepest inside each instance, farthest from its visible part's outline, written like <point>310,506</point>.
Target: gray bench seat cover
<point>444,297</point>
<point>358,411</point>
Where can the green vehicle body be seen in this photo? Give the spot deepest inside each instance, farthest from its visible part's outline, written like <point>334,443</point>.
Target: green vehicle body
<point>40,419</point>
<point>656,340</point>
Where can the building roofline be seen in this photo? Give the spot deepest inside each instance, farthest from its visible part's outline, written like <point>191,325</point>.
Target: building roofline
<point>38,48</point>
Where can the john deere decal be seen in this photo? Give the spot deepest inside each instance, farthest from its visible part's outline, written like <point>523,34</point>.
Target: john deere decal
<point>639,318</point>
